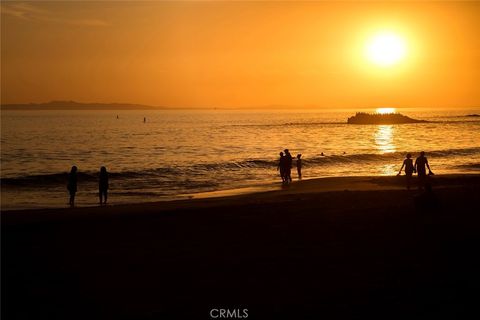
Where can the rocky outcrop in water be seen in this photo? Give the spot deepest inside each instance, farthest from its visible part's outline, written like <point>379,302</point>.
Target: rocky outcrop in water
<point>377,118</point>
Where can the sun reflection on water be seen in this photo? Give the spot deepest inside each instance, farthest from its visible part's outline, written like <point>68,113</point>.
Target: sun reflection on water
<point>384,144</point>
<point>384,138</point>
<point>385,110</point>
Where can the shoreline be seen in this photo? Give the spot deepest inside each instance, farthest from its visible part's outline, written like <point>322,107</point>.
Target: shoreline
<point>264,192</point>
<point>337,248</point>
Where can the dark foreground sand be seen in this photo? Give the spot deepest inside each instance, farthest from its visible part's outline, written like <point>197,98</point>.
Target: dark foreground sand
<point>323,249</point>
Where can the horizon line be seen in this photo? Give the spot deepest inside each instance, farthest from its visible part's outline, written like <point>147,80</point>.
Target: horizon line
<point>57,104</point>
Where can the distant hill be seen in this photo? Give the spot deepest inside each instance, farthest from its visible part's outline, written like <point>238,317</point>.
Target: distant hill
<point>376,118</point>
<point>72,105</point>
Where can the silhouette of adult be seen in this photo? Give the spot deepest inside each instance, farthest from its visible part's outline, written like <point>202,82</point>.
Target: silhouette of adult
<point>103,185</point>
<point>72,185</point>
<point>409,169</point>
<point>421,165</point>
<point>288,166</point>
<point>281,166</point>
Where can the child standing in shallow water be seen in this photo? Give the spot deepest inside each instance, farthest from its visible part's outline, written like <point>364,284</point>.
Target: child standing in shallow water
<point>281,166</point>
<point>409,169</point>
<point>72,185</point>
<point>103,185</point>
<point>299,166</point>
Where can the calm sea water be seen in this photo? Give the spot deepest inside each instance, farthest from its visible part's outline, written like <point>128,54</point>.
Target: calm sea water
<point>179,153</point>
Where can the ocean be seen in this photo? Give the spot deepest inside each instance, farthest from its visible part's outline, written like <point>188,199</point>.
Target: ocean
<point>179,153</point>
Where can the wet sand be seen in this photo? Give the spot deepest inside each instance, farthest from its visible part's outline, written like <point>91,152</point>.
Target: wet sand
<point>325,248</point>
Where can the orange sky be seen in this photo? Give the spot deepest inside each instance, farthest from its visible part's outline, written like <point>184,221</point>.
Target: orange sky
<point>242,54</point>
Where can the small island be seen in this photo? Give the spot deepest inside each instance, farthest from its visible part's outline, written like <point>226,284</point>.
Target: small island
<point>381,118</point>
<point>73,105</point>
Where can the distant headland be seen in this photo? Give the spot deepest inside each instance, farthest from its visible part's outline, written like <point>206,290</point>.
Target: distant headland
<point>380,118</point>
<point>72,105</point>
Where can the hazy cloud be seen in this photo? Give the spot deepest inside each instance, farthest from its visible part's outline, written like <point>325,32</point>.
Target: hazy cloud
<point>89,22</point>
<point>30,12</point>
<point>22,10</point>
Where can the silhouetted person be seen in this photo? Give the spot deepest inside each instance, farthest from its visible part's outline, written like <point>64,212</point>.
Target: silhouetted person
<point>72,185</point>
<point>103,185</point>
<point>421,165</point>
<point>144,119</point>
<point>117,116</point>
<point>409,169</point>
<point>288,166</point>
<point>322,154</point>
<point>281,166</point>
<point>299,166</point>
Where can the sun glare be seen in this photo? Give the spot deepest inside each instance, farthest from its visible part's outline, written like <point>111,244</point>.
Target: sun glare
<point>385,49</point>
<point>385,110</point>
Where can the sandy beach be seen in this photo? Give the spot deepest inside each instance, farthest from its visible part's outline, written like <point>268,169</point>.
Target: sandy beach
<point>350,247</point>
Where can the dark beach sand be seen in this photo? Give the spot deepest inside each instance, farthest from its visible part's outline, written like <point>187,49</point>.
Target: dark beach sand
<point>325,249</point>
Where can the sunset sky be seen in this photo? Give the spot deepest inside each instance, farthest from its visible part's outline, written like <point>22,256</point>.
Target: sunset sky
<point>240,54</point>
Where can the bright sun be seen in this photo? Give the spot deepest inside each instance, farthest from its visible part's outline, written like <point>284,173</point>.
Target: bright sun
<point>385,49</point>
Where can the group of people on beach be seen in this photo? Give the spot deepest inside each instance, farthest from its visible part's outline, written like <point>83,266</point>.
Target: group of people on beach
<point>420,167</point>
<point>102,185</point>
<point>285,166</point>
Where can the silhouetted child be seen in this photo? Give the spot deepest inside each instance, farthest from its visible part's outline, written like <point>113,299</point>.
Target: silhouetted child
<point>409,169</point>
<point>299,166</point>
<point>72,185</point>
<point>281,166</point>
<point>103,185</point>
